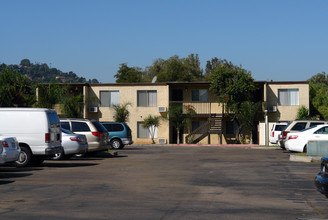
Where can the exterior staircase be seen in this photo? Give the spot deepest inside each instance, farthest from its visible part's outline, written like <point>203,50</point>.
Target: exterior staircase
<point>212,126</point>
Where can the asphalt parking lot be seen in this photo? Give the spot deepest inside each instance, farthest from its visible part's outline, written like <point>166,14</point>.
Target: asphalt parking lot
<point>152,182</point>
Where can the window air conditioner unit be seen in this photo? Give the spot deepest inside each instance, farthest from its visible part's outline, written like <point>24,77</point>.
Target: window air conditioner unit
<point>272,108</point>
<point>162,109</point>
<point>93,109</point>
<point>162,141</point>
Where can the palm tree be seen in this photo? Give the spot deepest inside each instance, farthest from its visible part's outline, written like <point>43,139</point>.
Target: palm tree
<point>121,112</point>
<point>180,117</point>
<point>152,123</point>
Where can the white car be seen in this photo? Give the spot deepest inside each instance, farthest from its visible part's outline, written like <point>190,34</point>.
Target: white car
<point>276,131</point>
<point>298,141</point>
<point>10,149</point>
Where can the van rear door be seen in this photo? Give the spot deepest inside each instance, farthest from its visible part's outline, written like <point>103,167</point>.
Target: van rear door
<point>54,135</point>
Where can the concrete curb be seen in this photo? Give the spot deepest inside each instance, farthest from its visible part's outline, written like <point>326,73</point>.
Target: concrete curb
<point>252,146</point>
<point>305,159</point>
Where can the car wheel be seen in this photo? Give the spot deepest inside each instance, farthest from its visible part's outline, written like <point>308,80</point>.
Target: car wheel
<point>305,149</point>
<point>58,156</point>
<point>116,144</point>
<point>24,158</point>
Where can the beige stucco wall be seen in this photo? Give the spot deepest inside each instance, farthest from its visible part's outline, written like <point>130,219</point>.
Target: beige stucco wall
<point>128,94</point>
<point>286,113</point>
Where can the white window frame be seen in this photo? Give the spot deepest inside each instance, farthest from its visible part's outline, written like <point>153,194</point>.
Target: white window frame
<point>113,98</point>
<point>150,97</point>
<point>288,97</point>
<point>145,131</point>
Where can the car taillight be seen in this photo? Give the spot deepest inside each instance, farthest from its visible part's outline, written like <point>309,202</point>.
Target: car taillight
<point>5,144</point>
<point>76,139</point>
<point>284,134</point>
<point>97,134</point>
<point>293,137</point>
<point>47,137</point>
<point>273,134</point>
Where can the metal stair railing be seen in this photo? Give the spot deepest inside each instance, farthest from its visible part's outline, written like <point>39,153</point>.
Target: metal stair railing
<point>212,126</point>
<point>198,133</point>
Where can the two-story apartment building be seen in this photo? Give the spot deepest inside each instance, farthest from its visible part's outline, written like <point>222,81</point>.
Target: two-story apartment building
<point>282,100</point>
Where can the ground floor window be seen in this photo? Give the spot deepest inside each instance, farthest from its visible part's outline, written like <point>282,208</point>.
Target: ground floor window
<point>144,132</point>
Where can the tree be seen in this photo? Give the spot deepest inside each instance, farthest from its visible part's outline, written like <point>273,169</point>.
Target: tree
<point>72,107</point>
<point>180,116</point>
<point>25,62</point>
<point>50,94</point>
<point>233,86</point>
<point>303,113</point>
<point>175,69</point>
<point>319,95</point>
<point>192,63</point>
<point>121,112</point>
<point>213,63</point>
<point>15,89</point>
<point>127,74</point>
<point>248,117</point>
<point>152,123</point>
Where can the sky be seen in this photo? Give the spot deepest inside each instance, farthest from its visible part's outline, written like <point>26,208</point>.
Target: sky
<point>279,40</point>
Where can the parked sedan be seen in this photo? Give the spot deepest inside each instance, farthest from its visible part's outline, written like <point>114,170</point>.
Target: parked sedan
<point>321,180</point>
<point>298,141</point>
<point>10,149</point>
<point>72,144</point>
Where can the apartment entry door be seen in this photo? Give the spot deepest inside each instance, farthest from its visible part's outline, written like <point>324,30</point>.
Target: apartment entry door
<point>174,135</point>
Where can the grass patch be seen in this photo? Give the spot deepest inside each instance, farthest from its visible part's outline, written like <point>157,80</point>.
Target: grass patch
<point>300,154</point>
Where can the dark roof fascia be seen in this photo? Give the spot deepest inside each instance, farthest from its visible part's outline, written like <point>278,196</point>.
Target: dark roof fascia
<point>173,83</point>
<point>71,84</point>
<point>287,82</point>
<point>128,84</point>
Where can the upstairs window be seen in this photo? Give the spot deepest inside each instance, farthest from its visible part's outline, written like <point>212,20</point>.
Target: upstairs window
<point>147,98</point>
<point>109,98</point>
<point>288,97</point>
<point>199,95</point>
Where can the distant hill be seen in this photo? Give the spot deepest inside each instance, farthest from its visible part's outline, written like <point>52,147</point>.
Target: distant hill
<point>42,73</point>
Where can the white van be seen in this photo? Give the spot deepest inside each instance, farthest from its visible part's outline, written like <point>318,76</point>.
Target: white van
<point>37,131</point>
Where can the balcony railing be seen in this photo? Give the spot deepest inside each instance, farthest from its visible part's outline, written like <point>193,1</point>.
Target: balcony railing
<point>202,107</point>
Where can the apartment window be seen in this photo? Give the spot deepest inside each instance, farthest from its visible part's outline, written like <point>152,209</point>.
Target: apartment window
<point>109,98</point>
<point>147,98</point>
<point>199,95</point>
<point>288,97</point>
<point>144,132</point>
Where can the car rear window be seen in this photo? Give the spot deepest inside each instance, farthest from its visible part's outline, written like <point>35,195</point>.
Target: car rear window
<point>80,126</point>
<point>99,126</point>
<point>117,127</point>
<point>279,127</point>
<point>299,126</point>
<point>65,125</point>
<point>316,123</point>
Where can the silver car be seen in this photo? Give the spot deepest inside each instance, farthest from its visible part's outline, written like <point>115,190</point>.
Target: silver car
<point>10,149</point>
<point>72,144</point>
<point>96,133</point>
